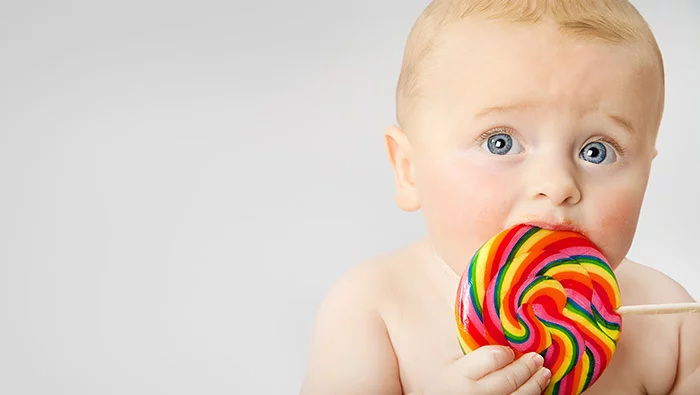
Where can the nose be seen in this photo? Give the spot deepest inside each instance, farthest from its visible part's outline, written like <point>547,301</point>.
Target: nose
<point>556,182</point>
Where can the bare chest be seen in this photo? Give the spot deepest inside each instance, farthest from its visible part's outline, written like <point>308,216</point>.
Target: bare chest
<point>424,337</point>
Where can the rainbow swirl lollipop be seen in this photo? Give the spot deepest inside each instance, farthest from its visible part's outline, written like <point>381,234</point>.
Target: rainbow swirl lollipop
<point>550,292</point>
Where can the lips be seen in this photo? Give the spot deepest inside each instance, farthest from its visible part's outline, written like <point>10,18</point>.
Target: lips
<point>561,226</point>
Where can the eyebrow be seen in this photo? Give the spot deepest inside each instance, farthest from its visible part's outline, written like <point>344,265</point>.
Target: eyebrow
<point>511,107</point>
<point>622,122</point>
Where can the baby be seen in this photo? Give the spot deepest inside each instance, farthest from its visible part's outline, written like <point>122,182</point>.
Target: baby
<point>538,112</point>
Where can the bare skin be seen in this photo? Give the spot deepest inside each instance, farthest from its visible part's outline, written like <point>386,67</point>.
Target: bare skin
<point>578,120</point>
<point>388,328</point>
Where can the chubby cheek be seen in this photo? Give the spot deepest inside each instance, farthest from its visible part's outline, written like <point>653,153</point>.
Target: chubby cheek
<point>462,206</point>
<point>614,223</point>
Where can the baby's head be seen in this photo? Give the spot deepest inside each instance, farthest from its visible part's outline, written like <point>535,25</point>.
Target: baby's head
<point>541,112</point>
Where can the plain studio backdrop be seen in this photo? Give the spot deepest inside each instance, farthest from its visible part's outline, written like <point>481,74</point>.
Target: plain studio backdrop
<point>181,183</point>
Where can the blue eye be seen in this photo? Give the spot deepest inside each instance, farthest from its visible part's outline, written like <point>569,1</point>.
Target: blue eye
<point>502,144</point>
<point>597,153</point>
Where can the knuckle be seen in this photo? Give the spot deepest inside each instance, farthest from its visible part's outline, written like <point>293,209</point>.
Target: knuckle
<point>512,380</point>
<point>528,389</point>
<point>529,364</point>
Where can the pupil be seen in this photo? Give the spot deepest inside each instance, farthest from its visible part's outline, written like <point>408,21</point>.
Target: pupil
<point>500,144</point>
<point>593,152</point>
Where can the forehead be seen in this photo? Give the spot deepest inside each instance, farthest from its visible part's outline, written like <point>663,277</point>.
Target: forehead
<point>478,63</point>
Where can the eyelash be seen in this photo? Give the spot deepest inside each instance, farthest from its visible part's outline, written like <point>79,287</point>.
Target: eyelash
<point>500,130</point>
<point>613,143</point>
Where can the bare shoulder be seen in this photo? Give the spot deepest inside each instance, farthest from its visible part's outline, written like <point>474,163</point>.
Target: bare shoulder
<point>653,287</point>
<point>667,346</point>
<point>351,351</point>
<point>641,284</point>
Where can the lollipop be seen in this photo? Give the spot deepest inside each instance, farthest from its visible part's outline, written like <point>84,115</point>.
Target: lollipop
<point>551,292</point>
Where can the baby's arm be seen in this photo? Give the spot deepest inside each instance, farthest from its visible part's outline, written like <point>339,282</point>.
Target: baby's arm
<point>350,349</point>
<point>688,373</point>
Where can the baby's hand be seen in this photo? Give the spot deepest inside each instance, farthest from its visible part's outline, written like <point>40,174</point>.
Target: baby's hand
<point>491,370</point>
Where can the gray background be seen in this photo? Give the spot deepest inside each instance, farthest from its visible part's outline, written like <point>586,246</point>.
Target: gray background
<point>181,182</point>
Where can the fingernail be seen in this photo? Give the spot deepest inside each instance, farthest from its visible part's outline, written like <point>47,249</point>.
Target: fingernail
<point>546,373</point>
<point>539,361</point>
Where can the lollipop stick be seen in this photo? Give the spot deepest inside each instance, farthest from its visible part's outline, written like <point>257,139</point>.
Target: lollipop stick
<point>670,308</point>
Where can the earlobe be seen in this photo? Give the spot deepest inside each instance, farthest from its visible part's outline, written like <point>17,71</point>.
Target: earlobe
<point>399,151</point>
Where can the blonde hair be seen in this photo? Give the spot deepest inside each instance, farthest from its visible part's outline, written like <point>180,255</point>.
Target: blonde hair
<point>611,20</point>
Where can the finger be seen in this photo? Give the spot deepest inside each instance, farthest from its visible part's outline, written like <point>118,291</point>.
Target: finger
<point>513,376</point>
<point>537,383</point>
<point>484,360</point>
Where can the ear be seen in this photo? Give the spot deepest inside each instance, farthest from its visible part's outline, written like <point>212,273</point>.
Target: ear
<point>400,153</point>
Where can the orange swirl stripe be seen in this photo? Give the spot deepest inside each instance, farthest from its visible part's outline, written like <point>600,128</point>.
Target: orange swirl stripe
<point>550,292</point>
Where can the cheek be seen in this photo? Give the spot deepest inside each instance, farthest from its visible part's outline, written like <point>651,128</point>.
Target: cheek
<point>615,224</point>
<point>462,206</point>
<point>620,217</point>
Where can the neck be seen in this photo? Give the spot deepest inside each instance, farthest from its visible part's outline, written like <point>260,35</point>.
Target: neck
<point>450,270</point>
<point>446,277</point>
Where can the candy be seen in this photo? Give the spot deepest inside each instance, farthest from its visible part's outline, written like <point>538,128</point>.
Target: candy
<point>551,292</point>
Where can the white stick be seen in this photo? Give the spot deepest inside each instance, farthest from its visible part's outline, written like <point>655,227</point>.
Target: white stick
<point>671,308</point>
